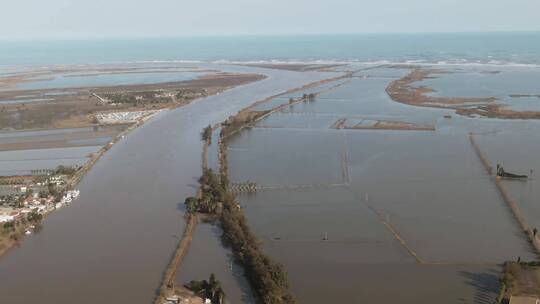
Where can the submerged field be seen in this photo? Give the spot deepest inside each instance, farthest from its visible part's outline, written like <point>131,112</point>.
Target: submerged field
<point>369,214</point>
<point>361,197</point>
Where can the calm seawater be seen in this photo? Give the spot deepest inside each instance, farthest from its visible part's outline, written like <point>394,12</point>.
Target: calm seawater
<point>495,48</point>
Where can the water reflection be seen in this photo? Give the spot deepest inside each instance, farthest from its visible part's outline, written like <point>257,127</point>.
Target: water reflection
<point>420,220</point>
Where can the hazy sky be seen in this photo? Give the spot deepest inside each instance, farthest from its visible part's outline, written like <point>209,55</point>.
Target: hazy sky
<point>31,19</point>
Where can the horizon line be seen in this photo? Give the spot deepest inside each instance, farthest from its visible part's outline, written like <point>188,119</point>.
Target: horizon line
<point>238,35</point>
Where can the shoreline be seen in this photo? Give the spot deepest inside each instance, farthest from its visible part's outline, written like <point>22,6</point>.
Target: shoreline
<point>403,91</point>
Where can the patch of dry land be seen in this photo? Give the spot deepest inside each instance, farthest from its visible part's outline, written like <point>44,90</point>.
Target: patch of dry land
<point>403,90</point>
<point>77,107</point>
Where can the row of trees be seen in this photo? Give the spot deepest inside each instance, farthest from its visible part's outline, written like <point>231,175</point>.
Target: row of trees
<point>34,217</point>
<point>308,97</point>
<point>212,195</point>
<point>206,134</point>
<point>66,170</point>
<point>242,119</point>
<point>138,98</point>
<point>268,278</point>
<point>9,226</point>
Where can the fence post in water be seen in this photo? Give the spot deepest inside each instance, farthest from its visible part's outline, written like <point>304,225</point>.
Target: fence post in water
<point>512,205</point>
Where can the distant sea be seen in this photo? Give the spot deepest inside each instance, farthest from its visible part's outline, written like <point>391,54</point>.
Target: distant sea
<point>522,48</point>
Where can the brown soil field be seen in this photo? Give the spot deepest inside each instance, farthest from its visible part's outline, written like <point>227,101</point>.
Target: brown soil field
<point>22,179</point>
<point>402,90</point>
<point>78,108</point>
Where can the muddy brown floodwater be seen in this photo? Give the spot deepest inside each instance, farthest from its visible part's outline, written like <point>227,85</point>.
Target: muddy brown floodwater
<point>358,215</point>
<point>419,220</point>
<point>114,243</point>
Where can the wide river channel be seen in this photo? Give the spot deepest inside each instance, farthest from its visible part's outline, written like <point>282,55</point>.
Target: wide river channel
<point>113,243</point>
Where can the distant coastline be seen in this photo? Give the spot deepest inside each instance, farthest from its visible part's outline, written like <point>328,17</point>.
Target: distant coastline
<point>521,48</point>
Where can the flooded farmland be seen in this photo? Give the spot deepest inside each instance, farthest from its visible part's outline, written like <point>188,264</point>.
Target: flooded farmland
<point>360,197</point>
<point>369,214</point>
<point>114,243</point>
<point>22,152</point>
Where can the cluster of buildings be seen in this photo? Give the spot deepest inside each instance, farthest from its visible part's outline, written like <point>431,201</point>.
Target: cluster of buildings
<point>37,204</point>
<point>8,214</point>
<point>30,194</point>
<point>121,117</point>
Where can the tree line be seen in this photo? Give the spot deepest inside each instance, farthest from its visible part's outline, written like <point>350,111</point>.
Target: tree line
<point>267,278</point>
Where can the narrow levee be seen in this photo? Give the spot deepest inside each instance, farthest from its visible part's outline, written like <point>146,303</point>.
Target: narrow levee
<point>215,198</point>
<point>507,198</point>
